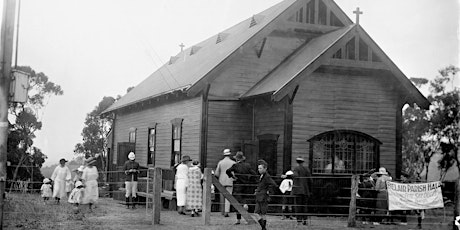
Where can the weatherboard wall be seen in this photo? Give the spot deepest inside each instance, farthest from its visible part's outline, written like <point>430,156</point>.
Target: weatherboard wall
<point>326,102</point>
<point>142,119</point>
<point>229,123</point>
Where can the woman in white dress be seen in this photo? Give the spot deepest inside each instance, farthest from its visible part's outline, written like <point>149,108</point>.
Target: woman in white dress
<point>89,178</point>
<point>61,174</point>
<point>182,183</point>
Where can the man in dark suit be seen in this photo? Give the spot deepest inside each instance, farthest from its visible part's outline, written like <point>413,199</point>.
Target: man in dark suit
<point>301,189</point>
<point>263,190</point>
<point>244,177</point>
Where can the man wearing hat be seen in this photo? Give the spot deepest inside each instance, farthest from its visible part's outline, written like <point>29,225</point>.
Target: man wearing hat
<point>243,176</point>
<point>60,175</point>
<point>301,189</point>
<point>131,168</point>
<point>226,181</point>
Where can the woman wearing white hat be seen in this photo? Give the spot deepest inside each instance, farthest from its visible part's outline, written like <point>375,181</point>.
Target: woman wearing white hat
<point>89,179</point>
<point>382,195</point>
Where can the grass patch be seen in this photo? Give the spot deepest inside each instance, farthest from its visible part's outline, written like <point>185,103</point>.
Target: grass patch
<point>28,211</point>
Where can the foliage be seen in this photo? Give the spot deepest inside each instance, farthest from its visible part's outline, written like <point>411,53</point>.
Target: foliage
<point>22,155</point>
<point>425,131</point>
<point>95,131</point>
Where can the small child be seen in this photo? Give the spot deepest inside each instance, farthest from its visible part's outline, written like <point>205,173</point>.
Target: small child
<point>76,195</point>
<point>264,188</point>
<point>46,190</point>
<point>286,188</point>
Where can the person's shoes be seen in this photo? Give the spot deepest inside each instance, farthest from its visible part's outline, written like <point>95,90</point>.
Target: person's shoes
<point>193,214</point>
<point>304,222</point>
<point>226,214</point>
<point>376,223</point>
<point>237,223</point>
<point>134,199</point>
<point>264,224</point>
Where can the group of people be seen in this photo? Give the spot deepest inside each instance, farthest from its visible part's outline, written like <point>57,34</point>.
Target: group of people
<point>82,189</point>
<point>189,192</point>
<point>373,189</point>
<point>237,176</point>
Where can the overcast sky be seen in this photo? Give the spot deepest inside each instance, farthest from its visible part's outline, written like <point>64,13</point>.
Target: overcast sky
<point>97,48</point>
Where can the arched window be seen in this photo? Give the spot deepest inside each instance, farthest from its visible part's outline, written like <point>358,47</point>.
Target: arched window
<point>343,152</point>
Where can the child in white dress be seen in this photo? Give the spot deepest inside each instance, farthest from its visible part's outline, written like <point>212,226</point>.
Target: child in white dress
<point>76,196</point>
<point>286,189</point>
<point>46,190</point>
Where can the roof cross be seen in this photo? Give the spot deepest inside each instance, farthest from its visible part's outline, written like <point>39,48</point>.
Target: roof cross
<point>357,12</point>
<point>181,47</point>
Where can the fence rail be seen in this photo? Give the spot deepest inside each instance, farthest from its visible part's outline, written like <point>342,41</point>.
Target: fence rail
<point>331,196</point>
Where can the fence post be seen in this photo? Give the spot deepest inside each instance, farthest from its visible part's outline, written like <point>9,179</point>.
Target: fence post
<point>147,192</point>
<point>207,196</point>
<point>157,187</point>
<point>352,210</point>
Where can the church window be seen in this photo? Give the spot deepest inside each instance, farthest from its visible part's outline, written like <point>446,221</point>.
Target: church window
<point>350,50</point>
<point>343,152</point>
<point>322,13</point>
<point>375,58</point>
<point>310,15</point>
<point>176,151</point>
<point>335,21</point>
<point>363,50</point>
<point>299,15</point>
<point>338,54</point>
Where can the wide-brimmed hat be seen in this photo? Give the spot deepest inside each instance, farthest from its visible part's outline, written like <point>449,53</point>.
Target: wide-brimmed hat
<point>80,169</point>
<point>90,161</point>
<point>239,156</point>
<point>78,184</point>
<point>289,173</point>
<point>299,158</point>
<point>227,152</point>
<point>185,158</point>
<point>131,156</point>
<point>382,171</point>
<point>46,180</point>
<point>62,159</point>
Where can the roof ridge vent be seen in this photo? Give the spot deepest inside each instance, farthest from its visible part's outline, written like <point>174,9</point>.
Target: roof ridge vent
<point>256,19</point>
<point>173,59</point>
<point>221,37</point>
<point>194,49</point>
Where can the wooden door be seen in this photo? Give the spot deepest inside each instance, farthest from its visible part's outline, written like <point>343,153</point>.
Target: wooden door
<point>268,151</point>
<point>123,150</point>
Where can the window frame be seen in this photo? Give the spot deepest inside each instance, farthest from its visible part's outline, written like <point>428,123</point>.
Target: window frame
<point>176,155</point>
<point>132,135</point>
<point>335,135</point>
<point>151,154</point>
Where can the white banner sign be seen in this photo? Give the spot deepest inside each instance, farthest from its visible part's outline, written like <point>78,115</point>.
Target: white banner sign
<point>414,196</point>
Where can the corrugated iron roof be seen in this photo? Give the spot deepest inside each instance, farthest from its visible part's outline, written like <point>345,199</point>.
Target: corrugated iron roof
<point>184,70</point>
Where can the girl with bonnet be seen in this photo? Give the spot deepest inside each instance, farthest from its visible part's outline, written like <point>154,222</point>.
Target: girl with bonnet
<point>46,190</point>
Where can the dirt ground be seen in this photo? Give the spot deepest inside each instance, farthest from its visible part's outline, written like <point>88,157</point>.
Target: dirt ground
<point>27,211</point>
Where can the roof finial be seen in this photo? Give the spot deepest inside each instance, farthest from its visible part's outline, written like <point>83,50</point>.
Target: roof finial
<point>357,12</point>
<point>182,47</point>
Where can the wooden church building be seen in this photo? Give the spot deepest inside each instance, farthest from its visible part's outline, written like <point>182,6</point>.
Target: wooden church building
<point>298,79</point>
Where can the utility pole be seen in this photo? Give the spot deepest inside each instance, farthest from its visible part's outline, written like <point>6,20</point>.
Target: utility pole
<point>6,56</point>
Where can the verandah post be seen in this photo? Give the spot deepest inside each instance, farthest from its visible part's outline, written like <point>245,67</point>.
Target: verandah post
<point>352,210</point>
<point>207,182</point>
<point>157,187</point>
